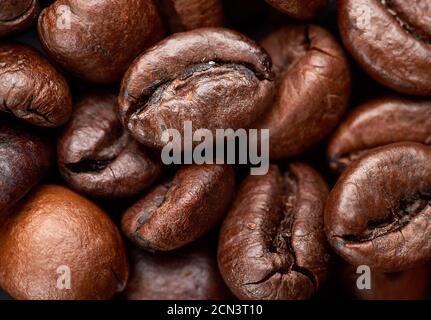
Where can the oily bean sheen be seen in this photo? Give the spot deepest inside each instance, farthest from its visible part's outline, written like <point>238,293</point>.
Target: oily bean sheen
<point>379,212</point>
<point>189,273</point>
<point>17,15</point>
<point>272,243</point>
<point>25,158</point>
<point>98,157</point>
<point>223,80</point>
<point>299,9</point>
<point>313,80</point>
<point>182,209</point>
<point>56,228</point>
<point>391,40</point>
<point>376,123</point>
<point>31,89</point>
<point>103,38</point>
<point>411,284</point>
<point>183,15</point>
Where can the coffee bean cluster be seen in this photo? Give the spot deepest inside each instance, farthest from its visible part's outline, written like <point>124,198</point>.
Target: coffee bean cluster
<point>88,209</point>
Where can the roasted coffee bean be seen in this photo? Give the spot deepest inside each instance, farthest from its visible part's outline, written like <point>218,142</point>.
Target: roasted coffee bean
<point>299,9</point>
<point>376,123</point>
<point>97,40</point>
<point>183,15</point>
<point>411,284</point>
<point>159,81</point>
<point>223,80</point>
<point>182,209</point>
<point>190,273</point>
<point>313,81</point>
<point>55,235</point>
<point>391,40</point>
<point>272,243</point>
<point>379,212</point>
<point>98,157</point>
<point>31,89</point>
<point>25,156</point>
<point>17,15</point>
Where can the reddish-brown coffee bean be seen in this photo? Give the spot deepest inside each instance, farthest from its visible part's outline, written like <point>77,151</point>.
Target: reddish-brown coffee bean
<point>313,80</point>
<point>411,284</point>
<point>25,156</point>
<point>181,210</point>
<point>97,156</point>
<point>379,212</point>
<point>183,15</point>
<point>190,273</point>
<point>299,9</point>
<point>31,89</point>
<point>415,15</point>
<point>272,243</point>
<point>103,36</point>
<point>377,123</point>
<point>221,81</point>
<point>17,15</point>
<point>391,40</point>
<point>56,232</point>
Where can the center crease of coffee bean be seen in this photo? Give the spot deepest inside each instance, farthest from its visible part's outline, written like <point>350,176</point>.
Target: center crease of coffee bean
<point>408,209</point>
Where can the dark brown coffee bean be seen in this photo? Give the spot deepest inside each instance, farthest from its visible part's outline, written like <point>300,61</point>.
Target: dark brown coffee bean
<point>25,156</point>
<point>221,81</point>
<point>181,210</point>
<point>56,232</point>
<point>299,9</point>
<point>190,273</point>
<point>391,40</point>
<point>411,284</point>
<point>31,89</point>
<point>97,40</point>
<point>272,243</point>
<point>376,123</point>
<point>183,15</point>
<point>313,81</point>
<point>379,212</point>
<point>17,15</point>
<point>97,156</point>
